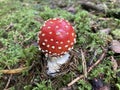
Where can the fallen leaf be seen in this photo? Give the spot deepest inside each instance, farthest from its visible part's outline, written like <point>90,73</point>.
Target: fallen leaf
<point>114,63</point>
<point>71,9</point>
<point>106,31</point>
<point>115,46</point>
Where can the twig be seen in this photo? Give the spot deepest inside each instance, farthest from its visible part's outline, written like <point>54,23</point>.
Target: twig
<point>84,64</point>
<point>13,71</point>
<point>10,26</point>
<point>8,82</point>
<point>90,69</point>
<point>97,62</point>
<point>75,80</point>
<point>91,61</point>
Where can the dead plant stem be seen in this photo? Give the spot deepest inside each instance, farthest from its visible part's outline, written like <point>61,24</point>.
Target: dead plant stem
<point>89,69</point>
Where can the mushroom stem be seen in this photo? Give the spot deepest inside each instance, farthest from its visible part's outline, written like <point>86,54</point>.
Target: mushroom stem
<point>54,64</point>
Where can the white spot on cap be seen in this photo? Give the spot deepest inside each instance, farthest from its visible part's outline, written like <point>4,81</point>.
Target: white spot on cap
<point>43,51</point>
<point>46,21</point>
<point>53,47</point>
<point>58,54</point>
<point>75,35</point>
<point>66,46</point>
<point>71,43</point>
<point>45,40</point>
<point>66,26</point>
<point>43,34</point>
<point>67,33</point>
<point>74,40</point>
<point>67,22</point>
<point>43,44</point>
<point>72,48</point>
<point>57,42</point>
<point>57,27</point>
<point>44,25</point>
<point>49,52</point>
<point>48,45</point>
<point>62,52</point>
<point>39,48</point>
<point>51,22</point>
<point>65,52</point>
<point>50,32</point>
<point>68,41</point>
<point>69,49</point>
<point>38,39</point>
<point>51,39</point>
<point>46,50</point>
<point>40,32</point>
<point>72,34</point>
<point>54,18</point>
<point>61,42</point>
<point>61,55</point>
<point>48,27</point>
<point>59,47</point>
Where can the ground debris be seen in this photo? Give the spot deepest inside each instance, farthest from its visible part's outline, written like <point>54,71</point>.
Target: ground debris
<point>115,46</point>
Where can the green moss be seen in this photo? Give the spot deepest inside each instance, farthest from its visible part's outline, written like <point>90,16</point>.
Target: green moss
<point>53,13</point>
<point>82,85</point>
<point>116,33</point>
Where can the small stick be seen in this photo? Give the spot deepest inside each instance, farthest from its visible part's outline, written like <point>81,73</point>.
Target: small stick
<point>8,82</point>
<point>75,80</point>
<point>91,61</point>
<point>90,69</point>
<point>10,26</point>
<point>13,71</point>
<point>97,62</point>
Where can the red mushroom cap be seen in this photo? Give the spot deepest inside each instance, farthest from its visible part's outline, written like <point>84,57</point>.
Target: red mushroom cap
<point>56,37</point>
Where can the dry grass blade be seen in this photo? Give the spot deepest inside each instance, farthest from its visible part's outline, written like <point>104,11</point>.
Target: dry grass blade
<point>114,63</point>
<point>84,64</point>
<point>90,69</point>
<point>8,82</point>
<point>75,80</point>
<point>14,71</point>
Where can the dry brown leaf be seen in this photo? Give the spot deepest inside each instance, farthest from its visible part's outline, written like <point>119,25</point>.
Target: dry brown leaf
<point>115,46</point>
<point>71,9</point>
<point>106,31</point>
<point>114,63</point>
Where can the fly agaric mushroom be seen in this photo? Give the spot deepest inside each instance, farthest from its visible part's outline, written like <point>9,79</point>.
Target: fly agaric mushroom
<point>55,39</point>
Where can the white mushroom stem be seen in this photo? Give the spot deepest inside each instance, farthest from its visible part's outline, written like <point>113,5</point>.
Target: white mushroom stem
<point>54,64</point>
